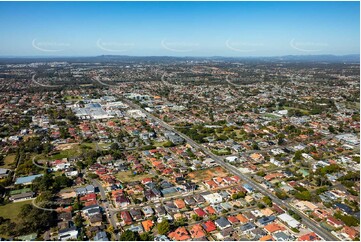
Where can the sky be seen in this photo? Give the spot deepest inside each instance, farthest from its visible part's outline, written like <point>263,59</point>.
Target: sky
<point>179,28</point>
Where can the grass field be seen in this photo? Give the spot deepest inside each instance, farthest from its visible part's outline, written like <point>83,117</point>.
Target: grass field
<point>12,210</point>
<point>303,111</point>
<point>127,176</point>
<point>159,144</point>
<point>270,115</point>
<point>221,152</point>
<point>207,174</point>
<point>88,146</point>
<point>9,161</point>
<point>73,98</point>
<point>104,146</point>
<point>74,150</point>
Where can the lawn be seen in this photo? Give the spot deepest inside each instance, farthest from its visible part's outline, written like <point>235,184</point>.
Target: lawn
<point>12,210</point>
<point>104,146</point>
<point>9,161</point>
<point>75,151</point>
<point>68,151</point>
<point>269,166</point>
<point>270,115</point>
<point>90,146</point>
<point>159,144</point>
<point>221,152</point>
<point>73,98</point>
<point>127,176</point>
<point>303,111</point>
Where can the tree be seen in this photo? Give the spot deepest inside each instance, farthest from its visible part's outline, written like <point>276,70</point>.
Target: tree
<point>32,219</point>
<point>304,195</point>
<point>261,173</point>
<point>146,237</point>
<point>168,144</point>
<point>163,227</point>
<point>43,183</point>
<point>331,129</point>
<point>268,201</point>
<point>195,217</point>
<point>281,195</point>
<point>93,176</point>
<point>213,217</point>
<point>79,221</point>
<point>61,182</point>
<point>298,155</point>
<point>114,146</point>
<point>261,205</point>
<point>255,146</point>
<point>347,219</point>
<point>129,236</point>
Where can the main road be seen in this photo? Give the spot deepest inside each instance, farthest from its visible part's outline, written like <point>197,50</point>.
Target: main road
<point>323,233</point>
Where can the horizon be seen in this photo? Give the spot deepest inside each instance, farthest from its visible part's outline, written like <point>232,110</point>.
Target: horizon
<point>179,29</point>
<point>185,56</point>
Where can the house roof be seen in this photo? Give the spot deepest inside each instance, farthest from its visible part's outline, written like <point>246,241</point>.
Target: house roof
<point>179,234</point>
<point>267,211</point>
<point>273,227</point>
<point>26,179</point>
<point>266,238</point>
<point>209,226</point>
<point>147,225</point>
<point>241,218</point>
<point>126,216</point>
<point>210,210</point>
<point>196,231</point>
<point>266,220</point>
<point>179,203</point>
<point>309,237</point>
<point>232,219</point>
<point>222,222</point>
<point>351,232</point>
<point>200,212</point>
<point>281,236</point>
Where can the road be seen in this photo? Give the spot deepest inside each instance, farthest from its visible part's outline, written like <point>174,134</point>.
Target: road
<point>323,233</point>
<point>106,205</point>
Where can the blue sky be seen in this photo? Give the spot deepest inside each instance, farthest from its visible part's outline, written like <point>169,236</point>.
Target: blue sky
<point>179,28</point>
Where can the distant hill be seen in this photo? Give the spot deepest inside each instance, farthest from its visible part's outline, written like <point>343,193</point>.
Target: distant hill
<point>355,58</point>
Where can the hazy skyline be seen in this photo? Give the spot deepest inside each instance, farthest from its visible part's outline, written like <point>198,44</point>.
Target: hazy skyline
<point>179,28</point>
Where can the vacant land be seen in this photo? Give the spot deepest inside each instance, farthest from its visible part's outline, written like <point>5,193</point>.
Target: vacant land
<point>73,98</point>
<point>127,176</point>
<point>207,174</point>
<point>12,210</point>
<point>9,161</point>
<point>64,151</point>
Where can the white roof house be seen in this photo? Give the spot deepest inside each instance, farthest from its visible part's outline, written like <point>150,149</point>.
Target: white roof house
<point>213,198</point>
<point>291,222</point>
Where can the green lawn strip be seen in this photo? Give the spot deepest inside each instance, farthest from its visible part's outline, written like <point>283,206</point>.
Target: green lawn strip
<point>11,210</point>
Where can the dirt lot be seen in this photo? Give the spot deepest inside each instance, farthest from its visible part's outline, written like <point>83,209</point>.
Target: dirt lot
<point>127,176</point>
<point>207,174</point>
<point>66,146</point>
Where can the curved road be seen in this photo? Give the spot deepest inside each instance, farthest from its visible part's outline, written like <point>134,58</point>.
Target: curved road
<point>323,233</point>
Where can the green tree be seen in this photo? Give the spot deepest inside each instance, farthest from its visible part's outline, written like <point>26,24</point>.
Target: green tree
<point>267,200</point>
<point>61,182</point>
<point>163,227</point>
<point>347,219</point>
<point>129,236</point>
<point>146,237</point>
